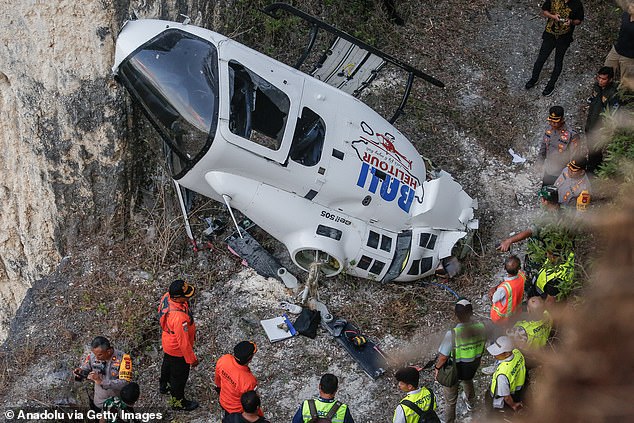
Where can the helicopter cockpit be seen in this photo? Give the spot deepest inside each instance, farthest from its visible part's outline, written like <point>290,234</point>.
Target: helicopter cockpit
<point>183,106</point>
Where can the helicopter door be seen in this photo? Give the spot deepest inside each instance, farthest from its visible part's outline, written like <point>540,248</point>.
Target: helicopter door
<point>261,103</point>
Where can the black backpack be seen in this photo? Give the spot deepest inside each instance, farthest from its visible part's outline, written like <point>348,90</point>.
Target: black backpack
<point>314,418</point>
<point>428,416</point>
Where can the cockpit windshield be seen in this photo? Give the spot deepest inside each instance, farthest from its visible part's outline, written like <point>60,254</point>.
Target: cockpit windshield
<point>175,78</point>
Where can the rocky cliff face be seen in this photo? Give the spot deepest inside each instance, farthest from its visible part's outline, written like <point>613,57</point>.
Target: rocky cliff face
<point>64,129</point>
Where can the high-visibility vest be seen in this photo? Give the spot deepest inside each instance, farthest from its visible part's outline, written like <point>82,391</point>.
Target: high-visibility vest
<point>323,407</point>
<point>514,370</point>
<point>422,399</point>
<point>537,331</point>
<point>467,349</point>
<point>564,271</point>
<point>514,288</point>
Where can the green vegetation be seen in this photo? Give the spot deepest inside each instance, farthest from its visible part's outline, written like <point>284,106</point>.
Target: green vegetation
<point>619,155</point>
<point>559,239</point>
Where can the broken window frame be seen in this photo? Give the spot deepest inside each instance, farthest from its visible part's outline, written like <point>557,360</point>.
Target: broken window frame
<point>258,97</point>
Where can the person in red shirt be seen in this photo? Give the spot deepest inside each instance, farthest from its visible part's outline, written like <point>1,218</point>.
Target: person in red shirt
<point>179,333</point>
<point>233,376</point>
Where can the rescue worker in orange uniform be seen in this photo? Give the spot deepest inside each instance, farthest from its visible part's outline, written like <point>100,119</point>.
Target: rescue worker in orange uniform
<point>233,376</point>
<point>507,297</point>
<point>179,334</point>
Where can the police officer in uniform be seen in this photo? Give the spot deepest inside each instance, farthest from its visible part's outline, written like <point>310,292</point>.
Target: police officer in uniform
<point>108,368</point>
<point>325,404</point>
<point>572,183</point>
<point>559,145</point>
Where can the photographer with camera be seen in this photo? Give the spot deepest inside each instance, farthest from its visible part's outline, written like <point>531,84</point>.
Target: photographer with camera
<point>109,369</point>
<point>562,16</point>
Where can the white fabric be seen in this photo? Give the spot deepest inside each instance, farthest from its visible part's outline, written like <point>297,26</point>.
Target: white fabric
<point>501,345</point>
<point>503,387</point>
<point>499,296</point>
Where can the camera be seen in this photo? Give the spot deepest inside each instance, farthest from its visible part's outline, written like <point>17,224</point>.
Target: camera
<point>81,375</point>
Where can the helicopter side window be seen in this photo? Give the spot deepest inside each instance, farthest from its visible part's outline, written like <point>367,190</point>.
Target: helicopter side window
<point>258,109</point>
<point>308,140</point>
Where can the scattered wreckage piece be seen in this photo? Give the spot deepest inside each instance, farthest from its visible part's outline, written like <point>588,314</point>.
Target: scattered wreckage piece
<point>242,244</point>
<point>360,347</point>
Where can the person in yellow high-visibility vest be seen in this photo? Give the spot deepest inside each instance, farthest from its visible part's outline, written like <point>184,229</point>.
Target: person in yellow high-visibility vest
<point>531,332</point>
<point>418,403</point>
<point>464,344</point>
<point>509,376</point>
<point>324,406</point>
<point>555,270</point>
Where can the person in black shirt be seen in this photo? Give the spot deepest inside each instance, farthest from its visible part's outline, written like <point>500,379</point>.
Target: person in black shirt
<point>604,98</point>
<point>562,17</point>
<point>621,57</point>
<point>250,410</point>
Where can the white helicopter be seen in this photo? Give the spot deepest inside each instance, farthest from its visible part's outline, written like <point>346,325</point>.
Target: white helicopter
<point>310,164</point>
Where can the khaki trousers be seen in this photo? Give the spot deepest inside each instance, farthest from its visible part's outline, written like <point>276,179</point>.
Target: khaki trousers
<point>623,66</point>
<point>451,397</point>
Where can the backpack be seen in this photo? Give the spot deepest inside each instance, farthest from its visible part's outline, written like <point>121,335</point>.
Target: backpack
<point>314,418</point>
<point>164,309</point>
<point>428,416</point>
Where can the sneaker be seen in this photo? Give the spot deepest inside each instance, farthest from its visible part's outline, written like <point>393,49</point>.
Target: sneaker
<point>530,84</point>
<point>548,91</point>
<point>466,401</point>
<point>185,405</point>
<point>489,370</point>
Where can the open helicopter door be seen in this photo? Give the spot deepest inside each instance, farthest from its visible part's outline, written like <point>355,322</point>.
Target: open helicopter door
<point>348,67</point>
<point>359,54</point>
<point>258,109</point>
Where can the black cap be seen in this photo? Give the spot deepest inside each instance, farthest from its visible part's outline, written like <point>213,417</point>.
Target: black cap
<point>556,114</point>
<point>244,351</point>
<point>181,289</point>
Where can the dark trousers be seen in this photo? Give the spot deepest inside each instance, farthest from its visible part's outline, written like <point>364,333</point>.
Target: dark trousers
<point>174,372</point>
<point>549,179</point>
<point>550,43</point>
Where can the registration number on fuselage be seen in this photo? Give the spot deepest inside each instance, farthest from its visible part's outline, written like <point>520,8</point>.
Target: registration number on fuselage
<point>335,218</point>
